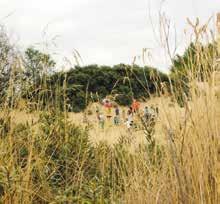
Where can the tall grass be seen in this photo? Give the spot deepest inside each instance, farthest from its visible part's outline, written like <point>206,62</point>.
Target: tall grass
<point>52,160</point>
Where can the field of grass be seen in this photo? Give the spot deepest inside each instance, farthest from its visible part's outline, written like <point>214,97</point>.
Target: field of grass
<point>50,155</point>
<point>112,133</point>
<point>183,164</point>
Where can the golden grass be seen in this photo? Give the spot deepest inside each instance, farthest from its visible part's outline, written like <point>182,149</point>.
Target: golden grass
<point>111,133</point>
<point>189,136</point>
<point>182,166</point>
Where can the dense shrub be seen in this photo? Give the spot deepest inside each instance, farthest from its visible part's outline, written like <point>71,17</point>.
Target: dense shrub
<point>123,82</point>
<point>123,99</point>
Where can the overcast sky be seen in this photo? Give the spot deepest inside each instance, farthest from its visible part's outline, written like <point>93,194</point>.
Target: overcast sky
<point>103,31</point>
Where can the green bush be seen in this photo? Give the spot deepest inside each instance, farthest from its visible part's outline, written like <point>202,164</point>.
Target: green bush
<point>123,99</point>
<point>97,82</point>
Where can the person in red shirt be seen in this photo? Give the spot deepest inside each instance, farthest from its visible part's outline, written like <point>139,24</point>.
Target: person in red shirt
<point>135,106</point>
<point>108,107</point>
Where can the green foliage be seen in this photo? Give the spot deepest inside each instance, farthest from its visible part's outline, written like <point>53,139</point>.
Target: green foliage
<point>197,62</point>
<point>9,70</point>
<point>63,165</point>
<point>123,82</point>
<point>72,90</point>
<point>72,158</point>
<point>5,125</point>
<point>37,64</point>
<point>124,99</point>
<point>77,100</point>
<point>38,67</point>
<point>6,52</point>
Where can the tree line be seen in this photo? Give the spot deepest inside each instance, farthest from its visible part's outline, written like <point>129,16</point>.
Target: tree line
<point>32,77</point>
<point>82,85</point>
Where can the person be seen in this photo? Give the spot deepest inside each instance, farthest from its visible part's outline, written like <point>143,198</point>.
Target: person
<point>97,114</point>
<point>129,122</point>
<point>85,119</point>
<point>97,109</point>
<point>123,115</point>
<point>146,113</point>
<point>157,110</point>
<point>117,116</point>
<point>152,111</point>
<point>152,116</point>
<point>131,109</point>
<point>108,107</point>
<point>135,106</point>
<point>101,120</point>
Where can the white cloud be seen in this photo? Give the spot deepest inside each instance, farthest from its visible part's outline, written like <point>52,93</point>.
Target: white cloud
<point>104,32</point>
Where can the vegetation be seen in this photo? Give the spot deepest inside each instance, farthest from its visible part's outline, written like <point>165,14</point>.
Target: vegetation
<point>196,63</point>
<point>83,84</point>
<point>122,82</point>
<point>51,159</point>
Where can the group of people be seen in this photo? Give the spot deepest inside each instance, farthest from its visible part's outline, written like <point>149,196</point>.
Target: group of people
<point>120,116</point>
